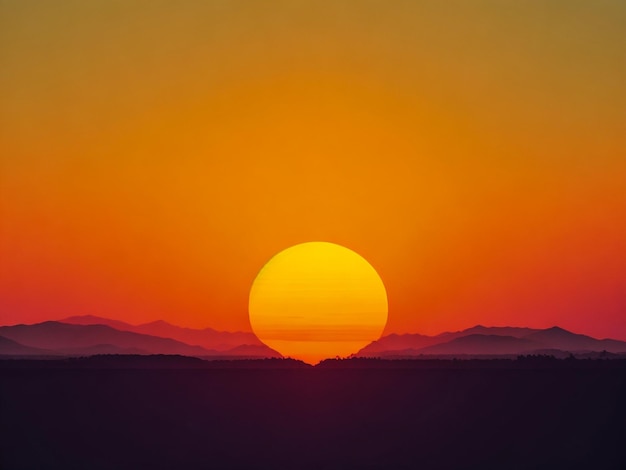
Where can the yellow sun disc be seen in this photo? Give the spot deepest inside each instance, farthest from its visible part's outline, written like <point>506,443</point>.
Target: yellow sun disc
<point>317,300</point>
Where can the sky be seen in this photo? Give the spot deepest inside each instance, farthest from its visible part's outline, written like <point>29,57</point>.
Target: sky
<point>154,155</point>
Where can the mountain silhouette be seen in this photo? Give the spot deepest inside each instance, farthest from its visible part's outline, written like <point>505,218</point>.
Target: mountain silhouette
<point>79,339</point>
<point>8,347</point>
<point>476,344</point>
<point>252,351</point>
<point>101,349</point>
<point>559,338</point>
<point>58,338</point>
<point>208,338</point>
<point>515,331</point>
<point>397,343</point>
<point>90,335</point>
<point>409,344</point>
<point>95,320</point>
<point>481,340</point>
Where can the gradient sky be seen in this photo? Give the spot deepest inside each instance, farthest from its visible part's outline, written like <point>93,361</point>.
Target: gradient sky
<point>154,155</point>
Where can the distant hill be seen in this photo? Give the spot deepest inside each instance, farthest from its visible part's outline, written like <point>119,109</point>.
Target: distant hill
<point>101,349</point>
<point>89,335</point>
<point>208,338</point>
<point>475,344</point>
<point>558,338</point>
<point>86,339</point>
<point>394,342</point>
<point>8,347</point>
<point>411,343</point>
<point>94,320</point>
<point>485,341</point>
<point>515,331</point>
<point>254,351</point>
<point>57,338</point>
<point>152,361</point>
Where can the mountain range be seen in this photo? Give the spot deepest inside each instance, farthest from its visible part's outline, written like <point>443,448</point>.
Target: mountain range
<point>208,338</point>
<point>90,335</point>
<point>490,341</point>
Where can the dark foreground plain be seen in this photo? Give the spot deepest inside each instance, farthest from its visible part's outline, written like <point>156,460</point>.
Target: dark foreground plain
<point>164,413</point>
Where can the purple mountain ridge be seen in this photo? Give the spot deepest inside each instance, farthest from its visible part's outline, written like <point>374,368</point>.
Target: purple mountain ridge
<point>58,338</point>
<point>482,345</point>
<point>558,338</point>
<point>89,335</point>
<point>481,340</point>
<point>207,338</point>
<point>62,337</point>
<point>8,347</point>
<point>515,331</point>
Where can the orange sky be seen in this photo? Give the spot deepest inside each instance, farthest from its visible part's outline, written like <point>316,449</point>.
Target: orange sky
<point>154,155</point>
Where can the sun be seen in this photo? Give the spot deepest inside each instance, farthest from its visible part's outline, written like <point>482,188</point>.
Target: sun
<point>317,300</point>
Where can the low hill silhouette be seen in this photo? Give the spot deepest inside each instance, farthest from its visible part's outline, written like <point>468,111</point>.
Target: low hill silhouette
<point>90,335</point>
<point>8,347</point>
<point>149,361</point>
<point>482,344</point>
<point>564,340</point>
<point>82,339</point>
<point>56,338</point>
<point>485,341</point>
<point>208,338</point>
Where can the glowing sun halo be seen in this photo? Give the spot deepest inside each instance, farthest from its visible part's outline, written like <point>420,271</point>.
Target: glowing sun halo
<point>317,300</point>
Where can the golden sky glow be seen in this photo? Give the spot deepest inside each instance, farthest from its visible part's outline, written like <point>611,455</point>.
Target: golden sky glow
<point>317,300</point>
<point>154,155</point>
